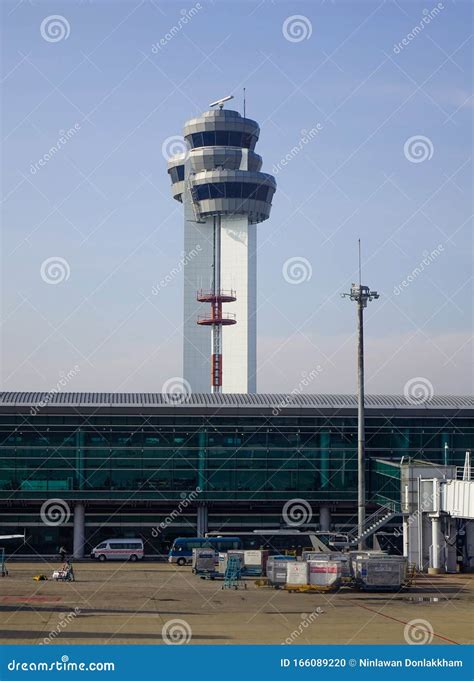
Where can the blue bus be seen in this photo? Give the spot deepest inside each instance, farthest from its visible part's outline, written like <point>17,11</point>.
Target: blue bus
<point>287,540</point>
<point>181,551</point>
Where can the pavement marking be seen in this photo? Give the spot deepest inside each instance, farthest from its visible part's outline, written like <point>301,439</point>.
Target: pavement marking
<point>389,617</point>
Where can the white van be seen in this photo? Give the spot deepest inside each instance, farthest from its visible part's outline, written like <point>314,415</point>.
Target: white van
<point>118,549</point>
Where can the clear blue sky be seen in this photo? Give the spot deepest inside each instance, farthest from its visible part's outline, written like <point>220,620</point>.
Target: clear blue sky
<point>103,203</point>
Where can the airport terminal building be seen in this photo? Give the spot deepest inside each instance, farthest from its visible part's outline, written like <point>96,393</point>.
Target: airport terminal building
<point>159,466</point>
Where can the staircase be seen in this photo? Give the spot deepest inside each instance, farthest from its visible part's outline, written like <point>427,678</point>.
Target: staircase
<point>373,523</point>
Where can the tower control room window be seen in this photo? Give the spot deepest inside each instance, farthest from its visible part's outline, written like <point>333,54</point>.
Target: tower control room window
<point>217,190</point>
<point>248,190</point>
<point>262,193</point>
<point>202,192</point>
<point>233,190</point>
<point>235,138</point>
<point>209,139</point>
<point>177,174</point>
<point>221,138</point>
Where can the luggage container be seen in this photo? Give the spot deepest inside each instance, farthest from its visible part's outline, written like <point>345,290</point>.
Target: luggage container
<point>255,562</point>
<point>297,573</point>
<point>204,561</point>
<point>276,569</point>
<point>325,573</point>
<point>223,558</point>
<point>380,573</point>
<point>342,558</point>
<point>356,555</point>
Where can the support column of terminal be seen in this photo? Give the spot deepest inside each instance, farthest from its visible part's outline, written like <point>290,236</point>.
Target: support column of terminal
<point>202,520</point>
<point>79,530</point>
<point>406,537</point>
<point>436,539</point>
<point>325,518</point>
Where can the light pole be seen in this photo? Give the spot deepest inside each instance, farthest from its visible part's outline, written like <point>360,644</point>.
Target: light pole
<point>360,294</point>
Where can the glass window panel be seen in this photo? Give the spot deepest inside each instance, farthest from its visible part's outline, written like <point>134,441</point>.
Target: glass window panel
<point>217,190</point>
<point>222,138</point>
<point>233,190</point>
<point>209,139</point>
<point>197,140</point>
<point>235,139</point>
<point>202,191</point>
<point>247,189</point>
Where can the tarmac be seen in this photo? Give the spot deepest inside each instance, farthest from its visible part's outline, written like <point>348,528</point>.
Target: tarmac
<point>158,603</point>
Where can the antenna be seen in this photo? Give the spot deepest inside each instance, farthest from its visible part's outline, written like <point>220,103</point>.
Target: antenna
<point>220,102</point>
<point>360,267</point>
<point>244,102</point>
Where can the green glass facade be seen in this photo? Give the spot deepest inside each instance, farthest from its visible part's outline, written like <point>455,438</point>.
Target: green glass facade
<point>230,458</point>
<point>133,465</point>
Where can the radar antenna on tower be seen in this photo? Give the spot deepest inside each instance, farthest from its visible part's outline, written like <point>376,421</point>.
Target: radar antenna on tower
<point>220,102</point>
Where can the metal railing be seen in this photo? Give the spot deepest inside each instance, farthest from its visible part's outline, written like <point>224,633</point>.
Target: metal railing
<point>386,510</point>
<point>463,474</point>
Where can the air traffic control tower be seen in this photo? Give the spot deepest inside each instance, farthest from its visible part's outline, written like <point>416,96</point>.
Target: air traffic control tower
<point>218,180</point>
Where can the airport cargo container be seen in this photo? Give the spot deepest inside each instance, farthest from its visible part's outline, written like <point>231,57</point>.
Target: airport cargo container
<point>382,573</point>
<point>223,557</point>
<point>276,568</point>
<point>297,573</point>
<point>204,560</point>
<point>342,558</point>
<point>327,573</point>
